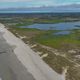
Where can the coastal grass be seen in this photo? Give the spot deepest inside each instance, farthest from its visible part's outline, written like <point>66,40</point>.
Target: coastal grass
<point>60,41</point>
<point>47,37</point>
<point>29,33</point>
<point>49,21</point>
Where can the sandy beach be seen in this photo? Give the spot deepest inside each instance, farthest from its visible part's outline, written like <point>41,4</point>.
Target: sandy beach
<point>30,59</point>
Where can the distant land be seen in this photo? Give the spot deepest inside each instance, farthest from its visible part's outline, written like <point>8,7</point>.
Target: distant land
<point>62,8</point>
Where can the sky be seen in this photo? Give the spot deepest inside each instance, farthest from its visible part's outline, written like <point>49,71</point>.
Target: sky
<point>35,3</point>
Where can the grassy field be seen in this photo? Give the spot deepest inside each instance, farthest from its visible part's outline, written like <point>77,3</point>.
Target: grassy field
<point>60,41</point>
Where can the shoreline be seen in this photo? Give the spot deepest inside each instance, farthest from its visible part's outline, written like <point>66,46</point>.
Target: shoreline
<point>31,60</point>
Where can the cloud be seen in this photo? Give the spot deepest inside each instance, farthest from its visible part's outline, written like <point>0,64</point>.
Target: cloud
<point>30,2</point>
<point>23,0</point>
<point>14,0</point>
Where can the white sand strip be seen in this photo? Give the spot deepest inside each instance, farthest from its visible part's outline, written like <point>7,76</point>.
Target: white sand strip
<point>31,60</point>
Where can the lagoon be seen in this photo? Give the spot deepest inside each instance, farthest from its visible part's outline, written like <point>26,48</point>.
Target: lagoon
<point>65,27</point>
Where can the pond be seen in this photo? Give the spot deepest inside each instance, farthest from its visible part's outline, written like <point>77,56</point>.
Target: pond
<point>65,27</point>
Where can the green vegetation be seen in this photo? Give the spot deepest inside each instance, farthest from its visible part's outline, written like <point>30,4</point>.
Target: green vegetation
<point>43,37</point>
<point>47,37</point>
<point>23,24</point>
<point>60,41</point>
<point>30,33</point>
<point>48,20</point>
